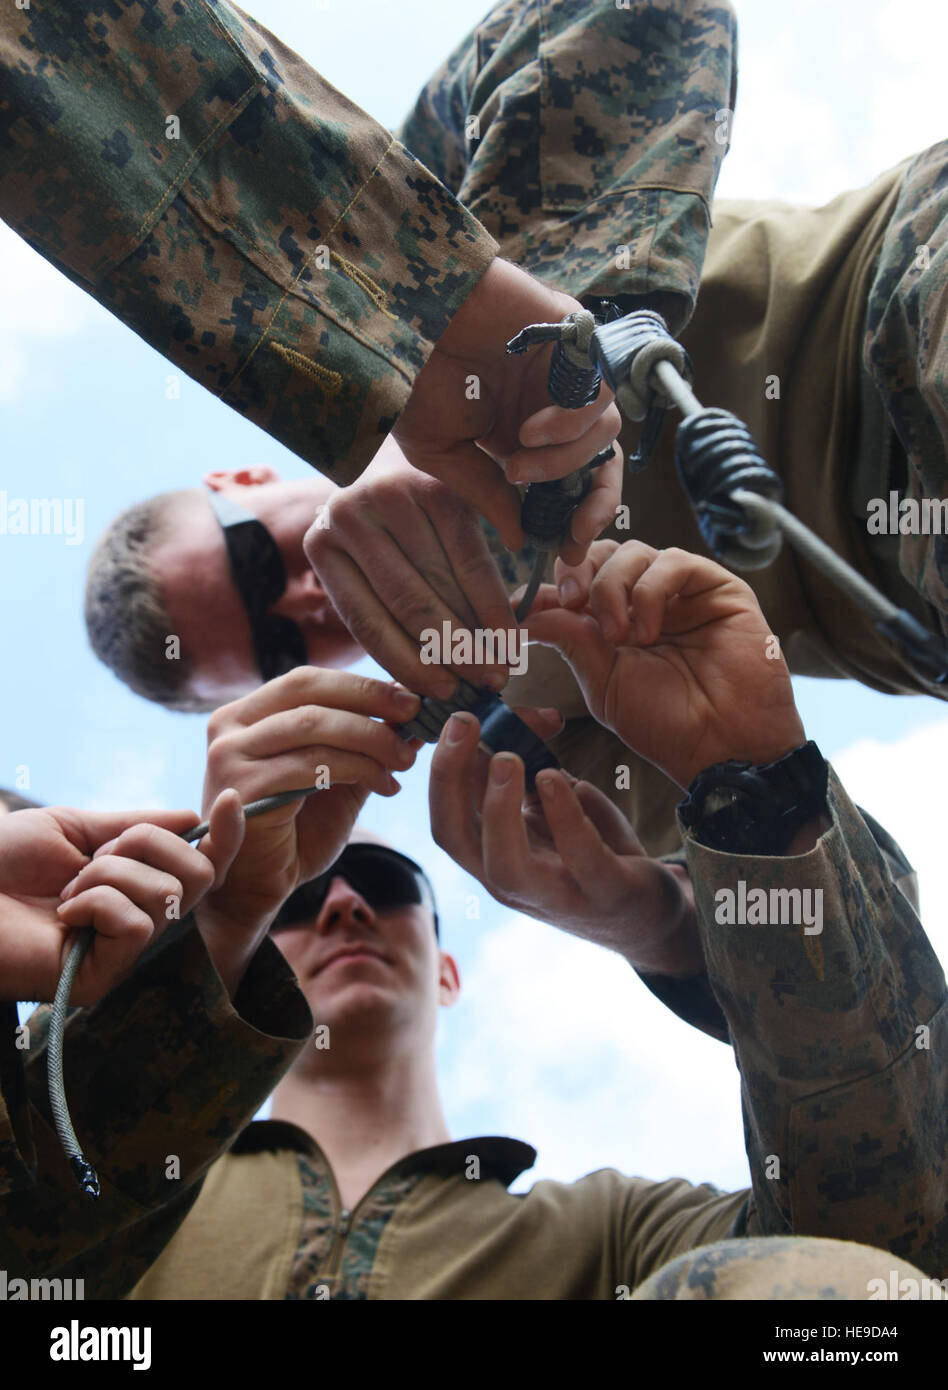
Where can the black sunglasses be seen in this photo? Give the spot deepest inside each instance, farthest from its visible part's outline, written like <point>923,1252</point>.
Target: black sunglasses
<point>382,876</point>
<point>260,576</point>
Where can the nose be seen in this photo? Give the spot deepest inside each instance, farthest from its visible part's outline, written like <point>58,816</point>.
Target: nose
<point>301,595</point>
<point>343,905</point>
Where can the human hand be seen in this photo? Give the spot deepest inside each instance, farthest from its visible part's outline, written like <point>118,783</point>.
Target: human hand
<point>569,858</point>
<point>306,728</point>
<point>510,422</point>
<point>399,552</point>
<point>694,677</point>
<point>127,874</point>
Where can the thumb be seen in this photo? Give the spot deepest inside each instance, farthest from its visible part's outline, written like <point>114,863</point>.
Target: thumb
<point>479,479</point>
<point>578,638</point>
<point>225,835</point>
<point>576,635</point>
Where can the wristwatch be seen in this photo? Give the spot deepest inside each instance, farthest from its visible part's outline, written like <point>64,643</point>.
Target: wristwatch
<point>742,809</point>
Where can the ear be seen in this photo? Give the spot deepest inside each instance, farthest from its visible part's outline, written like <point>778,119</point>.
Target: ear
<point>220,480</point>
<point>449,982</point>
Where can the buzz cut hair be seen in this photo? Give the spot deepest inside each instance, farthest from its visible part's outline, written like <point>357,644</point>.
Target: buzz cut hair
<point>126,618</point>
<point>13,801</point>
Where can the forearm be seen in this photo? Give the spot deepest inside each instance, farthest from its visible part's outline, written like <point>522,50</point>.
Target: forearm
<point>841,1099</point>
<point>276,244</point>
<point>161,1075</point>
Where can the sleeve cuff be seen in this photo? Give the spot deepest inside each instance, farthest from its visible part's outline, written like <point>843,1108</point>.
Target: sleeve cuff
<point>17,1155</point>
<point>166,1067</point>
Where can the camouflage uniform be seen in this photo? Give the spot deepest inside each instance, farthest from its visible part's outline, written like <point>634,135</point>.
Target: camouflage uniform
<point>284,249</point>
<point>845,1121</point>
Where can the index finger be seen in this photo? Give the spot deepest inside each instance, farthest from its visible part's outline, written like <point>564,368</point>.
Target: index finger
<point>87,830</point>
<point>452,793</point>
<point>314,685</point>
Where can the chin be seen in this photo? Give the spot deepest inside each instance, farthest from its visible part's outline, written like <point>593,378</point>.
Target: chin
<point>358,1000</point>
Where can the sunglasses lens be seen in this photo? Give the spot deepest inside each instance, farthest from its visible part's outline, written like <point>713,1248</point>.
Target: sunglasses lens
<point>280,646</point>
<point>257,564</point>
<point>381,877</point>
<point>384,881</point>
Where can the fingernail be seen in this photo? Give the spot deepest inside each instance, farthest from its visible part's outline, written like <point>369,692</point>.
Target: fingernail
<point>457,727</point>
<point>105,849</point>
<point>569,591</point>
<point>608,628</point>
<point>547,786</point>
<point>495,680</point>
<point>68,891</point>
<point>405,700</point>
<point>530,475</point>
<point>444,689</point>
<point>500,770</point>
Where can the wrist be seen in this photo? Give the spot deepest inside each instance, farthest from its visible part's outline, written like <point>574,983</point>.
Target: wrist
<point>474,316</point>
<point>230,946</point>
<point>678,953</point>
<point>759,752</point>
<point>807,837</point>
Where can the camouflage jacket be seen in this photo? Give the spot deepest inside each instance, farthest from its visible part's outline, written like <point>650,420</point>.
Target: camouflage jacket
<point>839,1035</point>
<point>203,183</point>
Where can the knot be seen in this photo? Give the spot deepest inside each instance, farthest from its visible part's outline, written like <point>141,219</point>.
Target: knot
<point>625,352</point>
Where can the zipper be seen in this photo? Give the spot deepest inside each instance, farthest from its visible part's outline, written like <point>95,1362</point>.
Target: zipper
<point>344,1217</point>
<point>342,1225</point>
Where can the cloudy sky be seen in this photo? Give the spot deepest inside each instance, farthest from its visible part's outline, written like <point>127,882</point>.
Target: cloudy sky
<point>553,1041</point>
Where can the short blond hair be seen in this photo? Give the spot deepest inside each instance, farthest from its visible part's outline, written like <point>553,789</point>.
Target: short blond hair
<point>126,618</point>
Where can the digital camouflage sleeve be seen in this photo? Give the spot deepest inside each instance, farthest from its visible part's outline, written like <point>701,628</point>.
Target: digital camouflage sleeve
<point>587,136</point>
<point>841,1038</point>
<point>161,1075</point>
<point>193,174</point>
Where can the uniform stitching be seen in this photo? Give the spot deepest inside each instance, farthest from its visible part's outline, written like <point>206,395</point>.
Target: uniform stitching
<point>325,376</point>
<point>364,281</point>
<point>269,328</point>
<point>175,186</point>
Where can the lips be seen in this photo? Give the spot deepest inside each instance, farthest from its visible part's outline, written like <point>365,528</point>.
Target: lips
<point>351,953</point>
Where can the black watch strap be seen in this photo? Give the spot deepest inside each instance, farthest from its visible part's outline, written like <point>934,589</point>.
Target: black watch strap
<point>738,808</point>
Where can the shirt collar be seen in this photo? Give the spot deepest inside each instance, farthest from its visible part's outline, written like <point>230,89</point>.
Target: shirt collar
<point>500,1156</point>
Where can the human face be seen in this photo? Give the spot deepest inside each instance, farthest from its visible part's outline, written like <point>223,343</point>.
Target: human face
<point>374,970</point>
<point>197,586</point>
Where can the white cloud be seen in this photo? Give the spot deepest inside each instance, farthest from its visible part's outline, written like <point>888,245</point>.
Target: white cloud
<point>829,96</point>
<point>902,785</point>
<point>560,1044</point>
<point>39,303</point>
<point>131,777</point>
